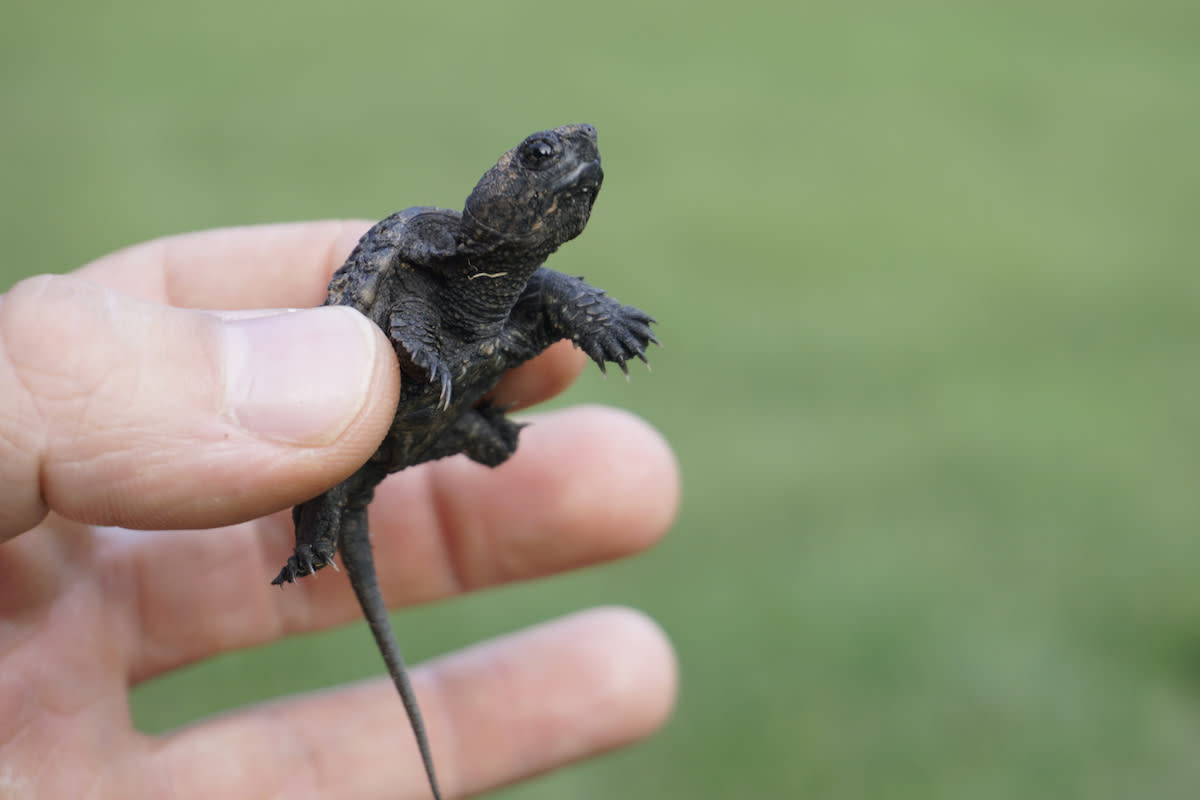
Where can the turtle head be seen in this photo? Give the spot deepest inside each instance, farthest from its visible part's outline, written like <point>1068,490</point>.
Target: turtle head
<point>540,193</point>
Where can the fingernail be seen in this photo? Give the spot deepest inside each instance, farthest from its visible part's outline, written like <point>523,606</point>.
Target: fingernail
<point>298,376</point>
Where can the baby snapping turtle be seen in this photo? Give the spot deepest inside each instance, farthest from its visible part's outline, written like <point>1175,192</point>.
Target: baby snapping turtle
<point>464,297</point>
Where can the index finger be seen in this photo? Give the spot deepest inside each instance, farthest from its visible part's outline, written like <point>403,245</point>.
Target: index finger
<point>285,265</point>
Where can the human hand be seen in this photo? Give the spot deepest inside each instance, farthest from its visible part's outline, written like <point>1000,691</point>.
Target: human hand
<point>127,410</point>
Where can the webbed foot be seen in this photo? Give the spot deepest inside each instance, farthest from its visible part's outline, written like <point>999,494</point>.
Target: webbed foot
<point>417,350</point>
<point>615,333</point>
<point>306,560</point>
<point>318,523</point>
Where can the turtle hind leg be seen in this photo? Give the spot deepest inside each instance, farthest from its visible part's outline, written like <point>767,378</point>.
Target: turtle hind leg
<point>318,525</point>
<point>483,434</point>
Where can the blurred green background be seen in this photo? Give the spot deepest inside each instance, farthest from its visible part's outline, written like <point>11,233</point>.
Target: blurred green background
<point>927,276</point>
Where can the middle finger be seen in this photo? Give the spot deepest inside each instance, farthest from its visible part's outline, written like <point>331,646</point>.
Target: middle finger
<point>587,485</point>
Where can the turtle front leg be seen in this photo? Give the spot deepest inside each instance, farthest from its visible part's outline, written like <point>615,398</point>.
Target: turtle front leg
<point>556,306</point>
<point>414,327</point>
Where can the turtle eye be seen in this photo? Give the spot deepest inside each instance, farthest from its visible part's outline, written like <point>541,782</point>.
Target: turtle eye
<point>539,150</point>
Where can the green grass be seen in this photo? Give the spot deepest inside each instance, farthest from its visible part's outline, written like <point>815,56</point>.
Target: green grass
<point>927,275</point>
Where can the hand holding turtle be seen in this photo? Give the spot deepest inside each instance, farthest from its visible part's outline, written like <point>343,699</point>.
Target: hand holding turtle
<point>124,408</point>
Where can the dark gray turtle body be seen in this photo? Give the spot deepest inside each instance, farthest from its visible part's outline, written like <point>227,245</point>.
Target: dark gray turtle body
<point>464,298</point>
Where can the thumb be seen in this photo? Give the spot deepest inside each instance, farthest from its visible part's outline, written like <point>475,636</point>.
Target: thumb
<point>121,412</point>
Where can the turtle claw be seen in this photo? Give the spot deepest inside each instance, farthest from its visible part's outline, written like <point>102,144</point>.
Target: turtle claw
<point>447,389</point>
<point>304,561</point>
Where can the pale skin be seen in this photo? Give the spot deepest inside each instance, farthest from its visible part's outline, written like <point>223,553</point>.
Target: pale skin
<point>149,452</point>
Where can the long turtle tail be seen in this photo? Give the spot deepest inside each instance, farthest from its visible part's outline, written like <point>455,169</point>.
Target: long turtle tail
<point>355,547</point>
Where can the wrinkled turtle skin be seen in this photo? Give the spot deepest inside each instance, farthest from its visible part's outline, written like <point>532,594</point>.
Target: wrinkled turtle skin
<point>464,298</point>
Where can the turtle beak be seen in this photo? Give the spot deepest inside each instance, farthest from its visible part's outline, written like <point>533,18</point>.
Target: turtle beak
<point>585,178</point>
